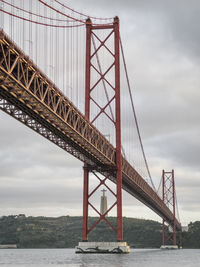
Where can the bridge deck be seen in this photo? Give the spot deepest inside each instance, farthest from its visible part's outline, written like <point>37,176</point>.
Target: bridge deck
<point>30,97</point>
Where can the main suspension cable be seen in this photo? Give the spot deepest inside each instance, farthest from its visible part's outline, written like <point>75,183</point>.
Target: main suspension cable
<point>40,23</point>
<point>63,14</point>
<point>135,117</point>
<point>177,207</point>
<point>75,19</point>
<point>31,13</point>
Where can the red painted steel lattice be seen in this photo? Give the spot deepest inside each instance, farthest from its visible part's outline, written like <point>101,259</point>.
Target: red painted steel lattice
<point>92,51</point>
<point>168,193</point>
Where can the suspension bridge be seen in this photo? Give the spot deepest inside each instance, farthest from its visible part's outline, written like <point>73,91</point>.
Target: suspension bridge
<point>61,74</point>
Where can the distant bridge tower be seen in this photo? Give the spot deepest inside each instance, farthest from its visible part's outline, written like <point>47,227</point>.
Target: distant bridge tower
<point>169,198</point>
<point>104,204</point>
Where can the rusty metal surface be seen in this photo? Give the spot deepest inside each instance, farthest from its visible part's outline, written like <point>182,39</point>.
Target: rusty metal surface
<point>30,97</point>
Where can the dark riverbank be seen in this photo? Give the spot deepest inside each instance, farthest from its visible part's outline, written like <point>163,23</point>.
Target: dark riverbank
<point>65,232</point>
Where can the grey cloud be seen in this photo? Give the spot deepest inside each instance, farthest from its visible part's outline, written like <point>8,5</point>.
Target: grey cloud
<point>181,147</point>
<point>160,41</point>
<point>179,19</point>
<point>40,194</point>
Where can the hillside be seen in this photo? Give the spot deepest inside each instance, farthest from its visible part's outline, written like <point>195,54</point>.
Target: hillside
<point>65,232</point>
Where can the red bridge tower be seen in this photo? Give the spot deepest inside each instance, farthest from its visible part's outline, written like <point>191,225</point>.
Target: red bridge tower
<point>169,239</point>
<point>92,52</point>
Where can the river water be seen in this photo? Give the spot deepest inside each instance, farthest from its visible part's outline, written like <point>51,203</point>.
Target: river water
<point>67,257</point>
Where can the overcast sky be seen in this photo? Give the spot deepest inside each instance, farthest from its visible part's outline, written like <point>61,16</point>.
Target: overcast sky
<point>161,43</point>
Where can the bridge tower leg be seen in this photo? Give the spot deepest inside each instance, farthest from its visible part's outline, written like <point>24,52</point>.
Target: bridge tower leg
<point>91,53</point>
<point>169,198</point>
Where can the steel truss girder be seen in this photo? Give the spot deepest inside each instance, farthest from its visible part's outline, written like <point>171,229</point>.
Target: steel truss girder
<point>47,131</point>
<point>25,88</point>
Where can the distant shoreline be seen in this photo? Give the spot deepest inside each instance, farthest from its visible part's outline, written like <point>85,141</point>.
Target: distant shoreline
<point>5,246</point>
<point>19,231</point>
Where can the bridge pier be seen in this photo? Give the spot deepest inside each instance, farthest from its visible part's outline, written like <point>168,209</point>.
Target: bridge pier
<point>103,247</point>
<point>169,247</point>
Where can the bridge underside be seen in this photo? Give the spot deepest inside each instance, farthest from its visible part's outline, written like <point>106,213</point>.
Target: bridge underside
<point>30,97</point>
